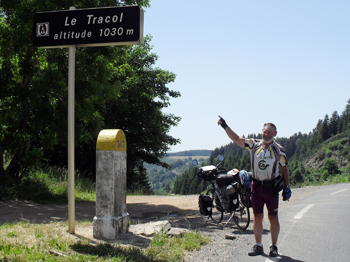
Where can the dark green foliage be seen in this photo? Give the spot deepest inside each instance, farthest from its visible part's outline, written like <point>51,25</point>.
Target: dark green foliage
<point>30,188</point>
<point>115,87</point>
<point>235,157</point>
<point>188,183</point>
<point>162,179</point>
<point>330,166</point>
<point>298,169</point>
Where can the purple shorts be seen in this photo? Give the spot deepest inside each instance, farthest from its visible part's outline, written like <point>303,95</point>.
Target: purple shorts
<point>263,195</point>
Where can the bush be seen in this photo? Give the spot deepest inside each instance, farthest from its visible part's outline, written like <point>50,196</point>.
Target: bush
<point>344,141</point>
<point>330,166</point>
<point>334,145</point>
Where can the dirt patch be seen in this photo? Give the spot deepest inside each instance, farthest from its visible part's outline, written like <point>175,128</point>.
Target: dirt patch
<point>180,211</point>
<point>140,208</point>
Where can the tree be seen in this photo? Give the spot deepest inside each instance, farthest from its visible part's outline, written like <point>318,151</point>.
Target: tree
<point>316,137</point>
<point>324,130</point>
<point>333,123</point>
<point>330,166</point>
<point>116,87</point>
<point>345,118</point>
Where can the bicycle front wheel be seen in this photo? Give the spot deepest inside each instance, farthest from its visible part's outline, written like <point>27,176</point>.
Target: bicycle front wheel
<point>217,210</point>
<point>241,216</point>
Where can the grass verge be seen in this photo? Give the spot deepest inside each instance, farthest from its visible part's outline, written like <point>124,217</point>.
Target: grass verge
<point>50,242</point>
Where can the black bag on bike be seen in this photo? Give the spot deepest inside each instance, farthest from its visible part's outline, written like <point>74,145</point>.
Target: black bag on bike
<point>206,176</point>
<point>231,202</point>
<point>224,180</point>
<point>247,199</point>
<point>205,203</point>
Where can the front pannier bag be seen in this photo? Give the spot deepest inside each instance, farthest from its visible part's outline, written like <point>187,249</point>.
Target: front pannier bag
<point>205,203</point>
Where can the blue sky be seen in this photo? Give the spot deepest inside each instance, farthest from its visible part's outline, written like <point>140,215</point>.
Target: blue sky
<point>286,62</point>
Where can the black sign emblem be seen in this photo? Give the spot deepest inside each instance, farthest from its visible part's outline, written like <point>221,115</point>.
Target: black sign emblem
<point>262,164</point>
<point>42,29</point>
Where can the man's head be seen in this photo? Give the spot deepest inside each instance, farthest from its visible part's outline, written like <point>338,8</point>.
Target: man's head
<point>269,131</point>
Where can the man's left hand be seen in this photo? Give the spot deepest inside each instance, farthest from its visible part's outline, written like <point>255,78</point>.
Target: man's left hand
<point>287,193</point>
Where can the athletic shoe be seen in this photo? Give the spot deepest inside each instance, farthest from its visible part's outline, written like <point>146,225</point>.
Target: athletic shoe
<point>256,250</point>
<point>273,251</point>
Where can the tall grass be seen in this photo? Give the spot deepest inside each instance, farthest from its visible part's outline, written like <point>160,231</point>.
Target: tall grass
<point>49,186</point>
<point>56,180</point>
<point>337,179</point>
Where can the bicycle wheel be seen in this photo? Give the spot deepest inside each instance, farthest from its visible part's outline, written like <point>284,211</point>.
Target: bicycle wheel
<point>217,210</point>
<point>242,216</point>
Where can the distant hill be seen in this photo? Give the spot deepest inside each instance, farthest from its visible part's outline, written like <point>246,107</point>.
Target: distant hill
<point>162,179</point>
<point>192,153</point>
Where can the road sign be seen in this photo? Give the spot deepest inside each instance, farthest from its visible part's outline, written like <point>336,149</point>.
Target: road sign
<point>88,27</point>
<point>84,27</point>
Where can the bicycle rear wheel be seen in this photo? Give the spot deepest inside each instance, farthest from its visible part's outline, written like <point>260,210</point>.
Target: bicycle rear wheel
<point>242,216</point>
<point>217,210</point>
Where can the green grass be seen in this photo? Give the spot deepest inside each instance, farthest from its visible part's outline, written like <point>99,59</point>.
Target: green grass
<point>316,179</point>
<point>49,186</point>
<point>50,242</point>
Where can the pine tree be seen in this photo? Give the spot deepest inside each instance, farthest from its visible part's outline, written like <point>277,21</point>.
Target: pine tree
<point>345,117</point>
<point>324,131</point>
<point>333,123</point>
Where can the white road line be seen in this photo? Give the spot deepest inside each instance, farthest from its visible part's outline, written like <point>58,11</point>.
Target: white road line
<point>339,191</point>
<point>303,211</point>
<point>297,217</point>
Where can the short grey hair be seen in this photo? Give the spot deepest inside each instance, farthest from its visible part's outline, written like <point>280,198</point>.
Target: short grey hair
<point>272,125</point>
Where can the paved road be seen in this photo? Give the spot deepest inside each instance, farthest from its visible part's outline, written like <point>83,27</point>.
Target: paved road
<point>314,229</point>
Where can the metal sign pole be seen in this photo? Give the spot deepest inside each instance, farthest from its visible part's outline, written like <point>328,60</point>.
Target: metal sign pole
<point>71,102</point>
<point>71,117</point>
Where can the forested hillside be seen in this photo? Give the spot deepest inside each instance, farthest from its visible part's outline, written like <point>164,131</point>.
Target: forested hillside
<point>162,179</point>
<point>313,158</point>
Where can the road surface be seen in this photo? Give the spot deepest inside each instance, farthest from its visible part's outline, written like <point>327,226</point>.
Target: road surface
<point>314,229</point>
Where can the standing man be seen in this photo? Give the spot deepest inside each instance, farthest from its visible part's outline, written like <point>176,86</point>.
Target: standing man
<point>267,159</point>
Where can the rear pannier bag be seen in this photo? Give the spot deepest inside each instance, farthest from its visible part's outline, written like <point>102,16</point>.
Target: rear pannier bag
<point>205,203</point>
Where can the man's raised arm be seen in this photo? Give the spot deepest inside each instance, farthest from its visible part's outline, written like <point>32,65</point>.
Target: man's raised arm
<point>231,134</point>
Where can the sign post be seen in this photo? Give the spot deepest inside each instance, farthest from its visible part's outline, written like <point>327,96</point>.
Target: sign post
<point>71,135</point>
<point>83,28</point>
<point>71,114</point>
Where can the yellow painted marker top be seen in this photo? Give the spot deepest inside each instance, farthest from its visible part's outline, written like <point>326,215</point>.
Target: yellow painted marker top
<point>111,140</point>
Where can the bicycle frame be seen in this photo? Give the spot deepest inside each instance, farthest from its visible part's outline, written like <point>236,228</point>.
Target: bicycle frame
<point>240,214</point>
<point>243,208</point>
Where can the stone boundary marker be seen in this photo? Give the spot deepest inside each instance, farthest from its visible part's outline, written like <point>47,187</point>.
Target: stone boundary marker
<point>112,218</point>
